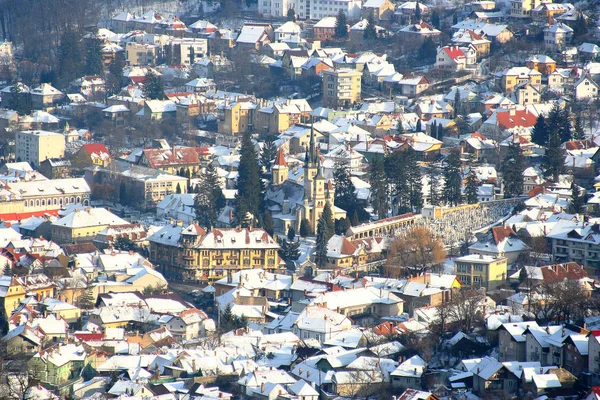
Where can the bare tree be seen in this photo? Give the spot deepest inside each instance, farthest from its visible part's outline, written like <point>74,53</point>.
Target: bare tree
<point>415,250</point>
<point>466,309</point>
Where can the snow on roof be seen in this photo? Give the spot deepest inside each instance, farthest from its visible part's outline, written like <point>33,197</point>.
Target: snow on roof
<point>414,367</point>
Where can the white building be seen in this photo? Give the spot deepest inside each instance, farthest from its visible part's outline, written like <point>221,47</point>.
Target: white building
<point>310,9</point>
<point>36,146</point>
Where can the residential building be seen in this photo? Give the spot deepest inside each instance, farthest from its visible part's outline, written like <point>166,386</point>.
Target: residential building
<point>523,8</point>
<point>541,63</point>
<point>193,254</point>
<point>341,88</point>
<point>557,36</point>
<point>503,242</point>
<point>576,241</point>
<point>255,35</point>
<point>83,225</point>
<point>321,323</point>
<point>93,154</point>
<point>36,146</point>
<point>186,51</point>
<point>236,117</point>
<point>324,30</point>
<point>512,77</point>
<point>419,32</point>
<point>183,161</point>
<point>142,53</point>
<point>586,88</point>
<point>481,271</point>
<point>379,10</point>
<point>45,96</point>
<point>121,177</point>
<point>55,168</point>
<point>317,9</point>
<point>455,58</point>
<point>526,94</point>
<point>14,289</point>
<point>512,341</point>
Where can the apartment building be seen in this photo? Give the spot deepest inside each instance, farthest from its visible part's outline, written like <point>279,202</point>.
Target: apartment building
<point>341,88</point>
<point>141,53</point>
<point>576,241</point>
<point>83,225</point>
<point>310,9</point>
<point>481,271</point>
<point>524,8</point>
<point>509,78</point>
<point>193,254</point>
<point>36,146</point>
<point>186,51</point>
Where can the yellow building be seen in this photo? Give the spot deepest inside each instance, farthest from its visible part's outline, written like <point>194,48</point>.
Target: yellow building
<point>191,253</point>
<point>141,53</point>
<point>519,75</point>
<point>341,88</point>
<point>524,8</point>
<point>482,271</point>
<point>16,288</point>
<point>236,117</point>
<point>83,225</point>
<point>36,146</point>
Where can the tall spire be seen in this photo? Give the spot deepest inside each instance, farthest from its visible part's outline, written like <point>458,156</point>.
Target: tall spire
<point>312,141</point>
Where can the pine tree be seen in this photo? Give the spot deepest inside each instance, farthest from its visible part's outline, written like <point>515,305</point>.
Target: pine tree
<point>20,101</point>
<point>93,57</point>
<point>414,181</point>
<point>289,250</point>
<point>379,187</point>
<point>440,131</point>
<point>249,186</point>
<point>577,201</point>
<point>341,25</point>
<point>512,169</point>
<point>87,300</point>
<point>153,87</point>
<point>578,130</point>
<point>580,27</point>
<point>305,228</point>
<point>268,152</point>
<point>434,188</point>
<point>268,223</point>
<point>418,126</point>
<point>327,216</point>
<point>114,77</point>
<point>345,191</point>
<point>404,176</point>
<point>291,15</point>
<point>370,32</point>
<point>434,129</point>
<point>435,19</point>
<point>427,51</point>
<point>70,60</point>
<point>209,198</point>
<point>355,220</point>
<point>227,317</point>
<point>540,132</point>
<point>323,237</point>
<point>471,186</point>
<point>452,179</point>
<point>456,102</point>
<point>559,120</point>
<point>291,233</point>
<point>178,189</point>
<point>553,162</point>
<point>417,12</point>
<point>123,197</point>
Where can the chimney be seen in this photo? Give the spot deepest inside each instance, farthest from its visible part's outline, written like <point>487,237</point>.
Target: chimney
<point>262,387</point>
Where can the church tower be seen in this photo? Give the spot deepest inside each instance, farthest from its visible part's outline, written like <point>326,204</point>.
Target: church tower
<point>310,165</point>
<point>279,172</point>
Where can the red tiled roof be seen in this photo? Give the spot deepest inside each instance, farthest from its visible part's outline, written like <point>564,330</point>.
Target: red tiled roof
<point>177,156</point>
<point>95,148</point>
<point>535,191</point>
<point>25,215</point>
<point>502,232</point>
<point>280,159</point>
<point>580,145</point>
<point>454,52</point>
<point>520,118</point>
<point>560,272</point>
<point>347,247</point>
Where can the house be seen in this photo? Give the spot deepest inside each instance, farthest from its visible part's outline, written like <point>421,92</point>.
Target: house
<point>504,243</point>
<point>414,394</point>
<point>45,96</point>
<point>510,78</point>
<point>23,339</point>
<point>523,8</point>
<point>413,85</point>
<point>187,325</point>
<point>541,63</point>
<point>182,161</point>
<point>418,32</point>
<point>482,271</point>
<point>557,36</point>
<point>409,374</point>
<point>92,154</point>
<point>526,94</point>
<point>455,58</point>
<point>379,10</point>
<point>324,30</point>
<point>585,88</point>
<point>288,31</point>
<point>472,38</point>
<point>512,340</point>
<point>157,110</point>
<point>254,36</point>
<point>357,31</point>
<point>320,323</point>
<point>83,225</point>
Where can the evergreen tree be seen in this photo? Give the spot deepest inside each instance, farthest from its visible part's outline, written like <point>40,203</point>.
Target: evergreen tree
<point>209,198</point>
<point>577,201</point>
<point>153,87</point>
<point>355,220</point>
<point>456,103</point>
<point>305,228</point>
<point>345,191</point>
<point>20,101</point>
<point>268,152</point>
<point>370,32</point>
<point>463,123</point>
<point>471,186</point>
<point>452,179</point>
<point>323,236</point>
<point>87,300</point>
<point>114,77</point>
<point>440,131</point>
<point>327,216</point>
<point>379,187</point>
<point>93,57</point>
<point>178,189</point>
<point>291,15</point>
<point>341,25</point>
<point>123,198</point>
<point>580,27</point>
<point>289,250</point>
<point>342,225</point>
<point>70,59</point>
<point>540,132</point>
<point>435,19</point>
<point>291,233</point>
<point>553,162</point>
<point>249,186</point>
<point>227,317</point>
<point>434,188</point>
<point>418,127</point>
<point>578,130</point>
<point>434,129</point>
<point>512,169</point>
<point>268,223</point>
<point>404,177</point>
<point>427,51</point>
<point>417,12</point>
<point>559,120</point>
<point>124,243</point>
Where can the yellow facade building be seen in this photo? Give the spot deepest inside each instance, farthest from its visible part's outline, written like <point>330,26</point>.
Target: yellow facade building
<point>16,288</point>
<point>193,254</point>
<point>341,88</point>
<point>83,225</point>
<point>482,271</point>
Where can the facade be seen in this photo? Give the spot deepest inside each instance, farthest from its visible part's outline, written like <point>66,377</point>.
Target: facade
<point>557,36</point>
<point>36,146</point>
<point>518,75</point>
<point>523,8</point>
<point>141,53</point>
<point>341,88</point>
<point>83,225</point>
<point>481,271</point>
<point>193,254</point>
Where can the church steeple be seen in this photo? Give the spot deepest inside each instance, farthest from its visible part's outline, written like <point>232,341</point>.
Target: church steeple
<point>311,146</point>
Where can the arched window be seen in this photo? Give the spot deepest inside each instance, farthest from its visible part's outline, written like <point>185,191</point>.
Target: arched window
<point>37,203</point>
